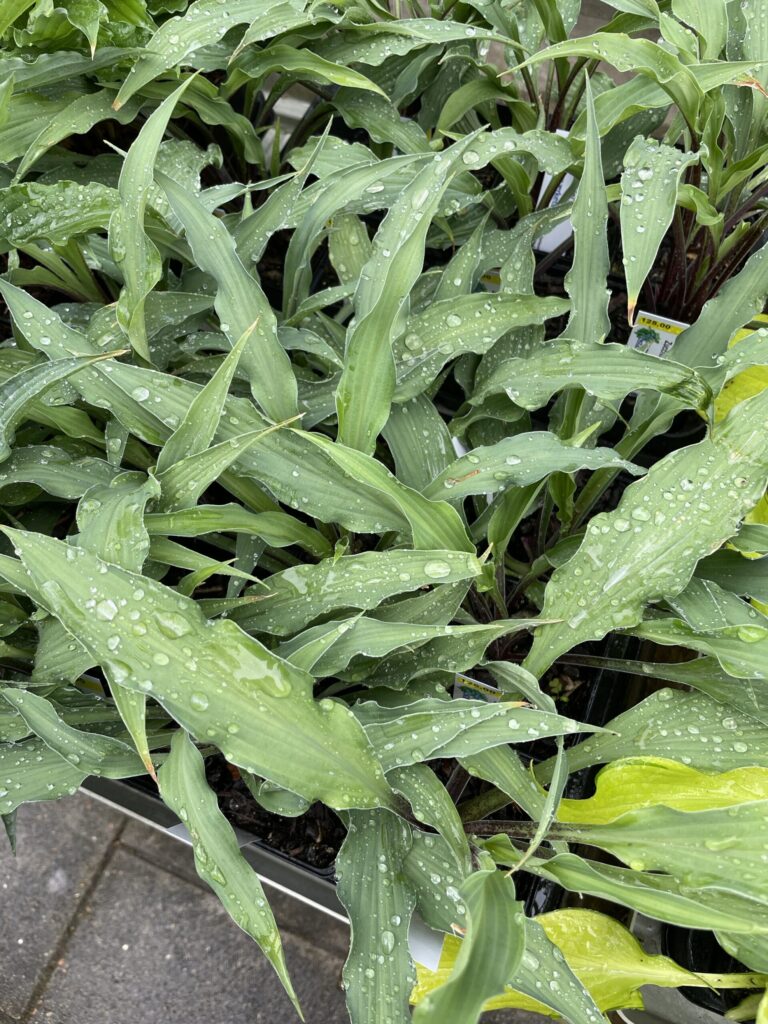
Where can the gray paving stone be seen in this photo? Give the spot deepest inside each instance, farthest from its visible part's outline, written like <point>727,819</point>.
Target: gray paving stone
<point>291,915</point>
<point>154,948</point>
<point>60,845</point>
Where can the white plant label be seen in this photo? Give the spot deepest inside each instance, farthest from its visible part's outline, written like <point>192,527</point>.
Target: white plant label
<point>655,334</point>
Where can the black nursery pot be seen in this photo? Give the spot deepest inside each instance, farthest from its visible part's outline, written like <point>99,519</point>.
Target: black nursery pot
<point>300,874</point>
<point>608,696</point>
<point>310,885</point>
<point>697,951</point>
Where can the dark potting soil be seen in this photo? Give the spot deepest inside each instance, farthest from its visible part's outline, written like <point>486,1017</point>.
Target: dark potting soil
<point>313,838</point>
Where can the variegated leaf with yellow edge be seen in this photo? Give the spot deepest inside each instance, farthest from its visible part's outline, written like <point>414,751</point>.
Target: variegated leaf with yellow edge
<point>745,384</point>
<point>605,957</point>
<point>635,782</point>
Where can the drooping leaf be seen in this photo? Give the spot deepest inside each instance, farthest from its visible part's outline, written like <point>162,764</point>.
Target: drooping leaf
<point>300,594</point>
<point>657,896</point>
<point>217,855</point>
<point>54,212</point>
<point>433,728</point>
<point>431,804</point>
<point>714,849</point>
<point>516,462</point>
<point>588,941</point>
<point>203,24</point>
<point>688,727</point>
<point>329,756</point>
<point>609,372</point>
<point>89,752</point>
<point>18,391</point>
<point>379,901</point>
<point>277,529</point>
<point>488,956</point>
<point>33,771</point>
<point>452,327</point>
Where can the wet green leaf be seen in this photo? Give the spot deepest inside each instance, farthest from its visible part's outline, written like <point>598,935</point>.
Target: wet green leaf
<point>378,973</point>
<point>699,494</point>
<point>217,856</point>
<point>329,756</point>
<point>486,959</point>
<point>296,596</point>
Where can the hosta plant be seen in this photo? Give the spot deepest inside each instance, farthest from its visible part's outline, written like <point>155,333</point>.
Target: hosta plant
<point>292,438</point>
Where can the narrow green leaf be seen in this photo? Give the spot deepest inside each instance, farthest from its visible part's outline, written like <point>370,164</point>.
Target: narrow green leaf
<point>489,955</point>
<point>656,896</point>
<point>111,522</point>
<point>379,972</point>
<point>709,18</point>
<point>439,904</point>
<point>431,728</point>
<point>367,384</point>
<point>217,856</point>
<point>54,470</point>
<point>183,482</point>
<point>452,327</point>
<point>419,440</point>
<point>432,805</point>
<point>134,253</point>
<point>89,752</point>
<point>53,212</point>
<point>196,431</point>
<point>503,767</point>
<point>586,281</point>
<point>306,65</point>
<point>516,462</point>
<point>716,849</point>
<point>32,771</point>
<point>737,302</point>
<point>277,529</point>
<point>240,303</point>
<point>203,24</point>
<point>640,56</point>
<point>736,573</point>
<point>110,518</point>
<point>296,596</point>
<point>75,117</point>
<point>659,726</point>
<point>609,372</point>
<point>649,187</point>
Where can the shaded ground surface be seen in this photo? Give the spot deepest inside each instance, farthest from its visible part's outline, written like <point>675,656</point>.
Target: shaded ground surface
<point>104,921</point>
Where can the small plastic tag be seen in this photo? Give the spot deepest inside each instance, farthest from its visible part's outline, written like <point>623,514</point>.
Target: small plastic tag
<point>655,334</point>
<point>473,689</point>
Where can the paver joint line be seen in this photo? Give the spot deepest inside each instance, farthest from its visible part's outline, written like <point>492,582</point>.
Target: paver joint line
<point>61,947</point>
